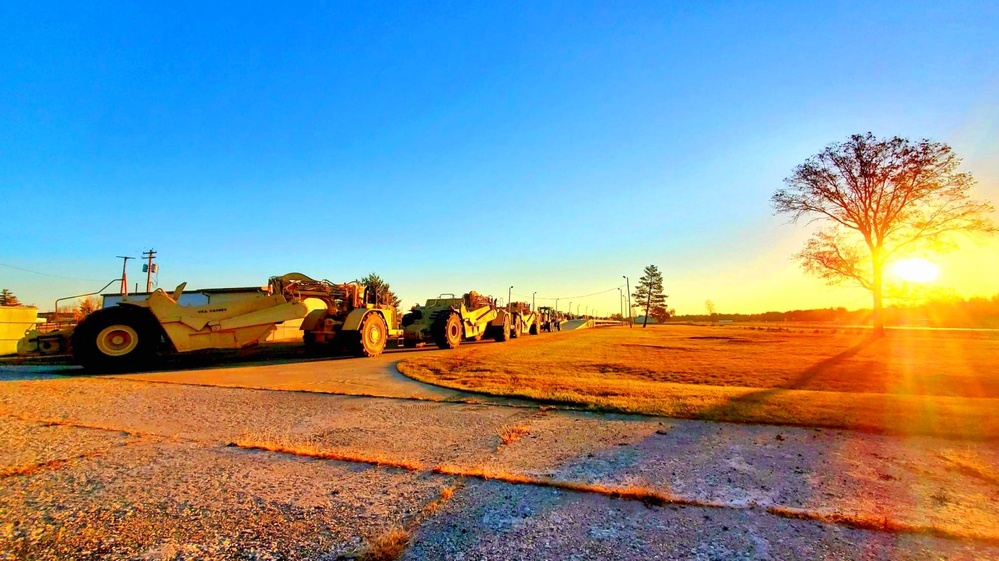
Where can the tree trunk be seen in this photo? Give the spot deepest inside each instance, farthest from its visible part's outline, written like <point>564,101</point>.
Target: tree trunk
<point>648,306</point>
<point>877,313</point>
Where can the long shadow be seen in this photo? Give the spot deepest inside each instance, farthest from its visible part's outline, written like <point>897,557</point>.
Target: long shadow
<point>738,404</point>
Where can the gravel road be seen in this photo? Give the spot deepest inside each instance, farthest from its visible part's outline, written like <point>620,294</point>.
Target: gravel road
<point>143,466</point>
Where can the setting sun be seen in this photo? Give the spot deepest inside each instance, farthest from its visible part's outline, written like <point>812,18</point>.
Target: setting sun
<point>916,270</point>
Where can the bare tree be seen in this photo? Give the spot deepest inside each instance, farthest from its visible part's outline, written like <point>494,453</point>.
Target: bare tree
<point>710,307</point>
<point>882,199</point>
<point>649,294</point>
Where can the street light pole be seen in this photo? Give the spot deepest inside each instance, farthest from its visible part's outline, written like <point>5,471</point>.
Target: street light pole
<point>534,300</point>
<point>627,286</point>
<point>509,295</point>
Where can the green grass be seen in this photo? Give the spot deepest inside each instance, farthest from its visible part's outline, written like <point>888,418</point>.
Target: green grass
<point>922,383</point>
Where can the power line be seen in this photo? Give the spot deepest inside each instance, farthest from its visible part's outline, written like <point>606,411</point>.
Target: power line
<point>47,274</point>
<point>569,297</point>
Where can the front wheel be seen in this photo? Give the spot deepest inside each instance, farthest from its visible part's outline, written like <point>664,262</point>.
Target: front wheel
<point>115,339</point>
<point>371,336</point>
<point>534,329</point>
<point>447,330</point>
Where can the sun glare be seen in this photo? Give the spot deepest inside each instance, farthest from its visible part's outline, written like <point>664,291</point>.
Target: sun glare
<point>916,270</point>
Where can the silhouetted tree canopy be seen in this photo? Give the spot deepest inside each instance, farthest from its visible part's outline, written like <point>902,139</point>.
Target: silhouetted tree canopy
<point>649,295</point>
<point>7,298</point>
<point>881,199</point>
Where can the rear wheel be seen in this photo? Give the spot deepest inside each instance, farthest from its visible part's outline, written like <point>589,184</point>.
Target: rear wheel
<point>116,339</point>
<point>503,333</point>
<point>371,336</point>
<point>534,329</point>
<point>447,330</point>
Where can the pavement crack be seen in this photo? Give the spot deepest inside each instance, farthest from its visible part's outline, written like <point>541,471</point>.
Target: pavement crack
<point>652,498</point>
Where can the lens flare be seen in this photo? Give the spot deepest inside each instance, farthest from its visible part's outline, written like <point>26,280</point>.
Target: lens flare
<point>915,270</point>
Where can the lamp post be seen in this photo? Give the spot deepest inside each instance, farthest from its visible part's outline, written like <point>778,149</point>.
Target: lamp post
<point>627,286</point>
<point>533,300</point>
<point>509,296</point>
<point>569,311</point>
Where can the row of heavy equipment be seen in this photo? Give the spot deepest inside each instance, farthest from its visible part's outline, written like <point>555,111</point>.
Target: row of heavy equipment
<point>446,321</point>
<point>336,318</point>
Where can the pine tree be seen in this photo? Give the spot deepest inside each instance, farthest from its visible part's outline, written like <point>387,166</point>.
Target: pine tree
<point>649,294</point>
<point>7,298</point>
<point>383,291</point>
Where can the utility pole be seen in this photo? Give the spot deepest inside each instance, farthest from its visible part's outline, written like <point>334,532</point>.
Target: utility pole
<point>534,300</point>
<point>124,276</point>
<point>150,268</point>
<point>509,298</point>
<point>570,308</point>
<point>627,286</point>
<point>620,302</point>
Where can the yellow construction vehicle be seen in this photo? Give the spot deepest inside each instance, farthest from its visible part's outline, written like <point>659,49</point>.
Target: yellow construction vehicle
<point>128,335</point>
<point>523,319</point>
<point>447,321</point>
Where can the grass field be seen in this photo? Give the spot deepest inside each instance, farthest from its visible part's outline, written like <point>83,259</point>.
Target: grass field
<point>919,383</point>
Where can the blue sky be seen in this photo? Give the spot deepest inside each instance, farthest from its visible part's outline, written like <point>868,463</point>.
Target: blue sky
<point>456,146</point>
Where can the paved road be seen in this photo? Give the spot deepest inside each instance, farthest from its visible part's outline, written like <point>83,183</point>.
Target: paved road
<point>319,458</point>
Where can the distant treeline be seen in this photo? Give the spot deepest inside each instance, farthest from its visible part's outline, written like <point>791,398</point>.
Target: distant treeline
<point>974,312</point>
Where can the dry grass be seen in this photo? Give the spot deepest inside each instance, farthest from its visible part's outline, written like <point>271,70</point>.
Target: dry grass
<point>432,508</point>
<point>512,433</point>
<point>928,383</point>
<point>289,444</point>
<point>386,547</point>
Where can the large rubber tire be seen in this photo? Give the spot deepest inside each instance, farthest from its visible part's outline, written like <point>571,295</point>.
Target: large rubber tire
<point>372,336</point>
<point>447,331</point>
<point>116,339</point>
<point>534,328</point>
<point>410,343</point>
<point>503,334</point>
<point>517,326</point>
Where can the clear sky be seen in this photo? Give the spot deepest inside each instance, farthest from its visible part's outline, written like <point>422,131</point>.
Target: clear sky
<point>467,145</point>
